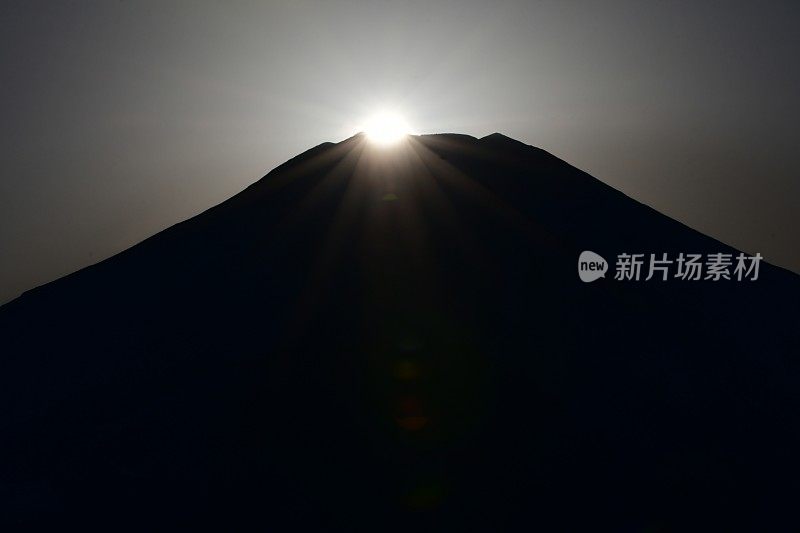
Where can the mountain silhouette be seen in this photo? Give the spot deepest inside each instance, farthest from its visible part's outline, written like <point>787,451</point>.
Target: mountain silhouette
<point>374,338</point>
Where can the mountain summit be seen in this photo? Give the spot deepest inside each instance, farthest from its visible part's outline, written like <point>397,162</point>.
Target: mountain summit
<point>386,338</point>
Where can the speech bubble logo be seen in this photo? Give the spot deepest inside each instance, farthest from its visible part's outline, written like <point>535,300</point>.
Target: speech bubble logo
<point>591,266</point>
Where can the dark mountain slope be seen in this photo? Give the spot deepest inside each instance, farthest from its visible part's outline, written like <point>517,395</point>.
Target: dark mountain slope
<point>397,338</point>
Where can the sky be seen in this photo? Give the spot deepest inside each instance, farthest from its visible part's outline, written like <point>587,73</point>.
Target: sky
<point>121,118</point>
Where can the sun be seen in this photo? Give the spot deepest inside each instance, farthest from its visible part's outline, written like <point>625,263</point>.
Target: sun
<point>386,128</point>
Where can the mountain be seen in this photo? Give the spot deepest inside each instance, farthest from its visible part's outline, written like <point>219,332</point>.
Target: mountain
<point>375,338</point>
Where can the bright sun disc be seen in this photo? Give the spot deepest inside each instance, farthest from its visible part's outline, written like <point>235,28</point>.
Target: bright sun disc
<point>386,128</point>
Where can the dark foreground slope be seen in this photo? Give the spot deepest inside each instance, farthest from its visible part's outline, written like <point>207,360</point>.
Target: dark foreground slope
<point>373,339</point>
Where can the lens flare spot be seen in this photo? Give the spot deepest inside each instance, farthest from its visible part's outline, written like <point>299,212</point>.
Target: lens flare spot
<point>410,414</point>
<point>425,497</point>
<point>406,370</point>
<point>412,423</point>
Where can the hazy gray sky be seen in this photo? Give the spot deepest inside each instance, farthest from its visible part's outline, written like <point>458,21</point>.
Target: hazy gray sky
<point>120,118</point>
